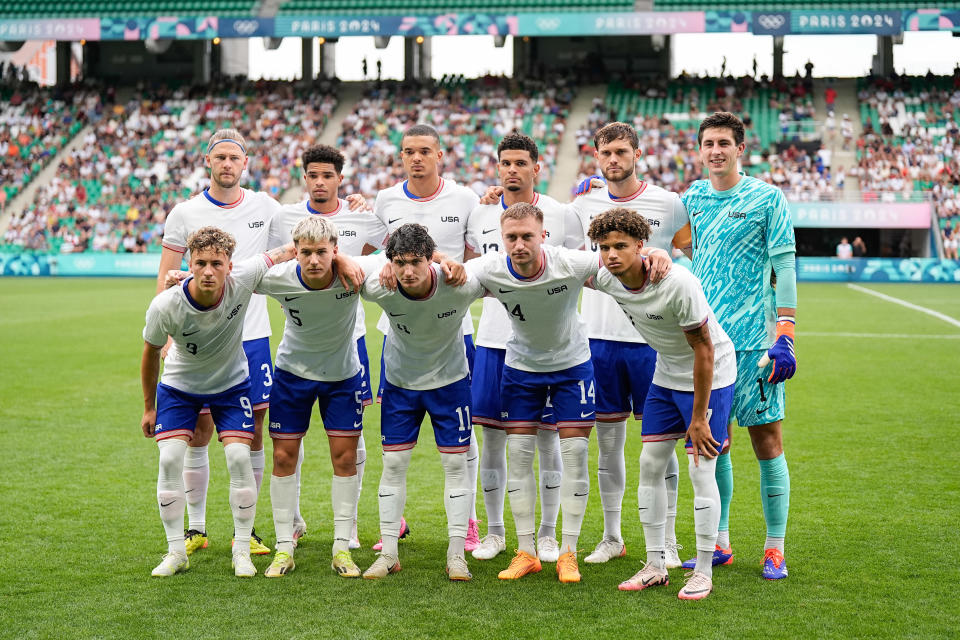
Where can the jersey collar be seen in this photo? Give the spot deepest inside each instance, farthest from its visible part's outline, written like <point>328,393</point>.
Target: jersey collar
<point>536,199</point>
<point>196,305</point>
<point>223,205</point>
<point>543,267</point>
<point>321,213</point>
<point>428,198</point>
<point>640,189</point>
<point>434,283</point>
<point>309,288</point>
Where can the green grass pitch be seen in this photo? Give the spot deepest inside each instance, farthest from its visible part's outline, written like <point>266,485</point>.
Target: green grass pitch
<point>875,505</point>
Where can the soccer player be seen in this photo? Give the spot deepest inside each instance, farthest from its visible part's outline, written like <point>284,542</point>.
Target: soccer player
<point>689,398</point>
<point>519,170</point>
<point>205,366</point>
<point>742,234</point>
<point>623,362</point>
<point>426,373</point>
<point>246,215</point>
<point>359,234</point>
<point>443,207</point>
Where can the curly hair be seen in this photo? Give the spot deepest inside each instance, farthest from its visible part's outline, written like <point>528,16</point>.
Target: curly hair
<point>516,141</point>
<point>411,239</point>
<point>619,219</point>
<point>522,210</point>
<point>322,153</point>
<point>211,238</point>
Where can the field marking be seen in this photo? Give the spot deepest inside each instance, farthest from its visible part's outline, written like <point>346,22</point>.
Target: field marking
<point>895,336</point>
<point>909,305</point>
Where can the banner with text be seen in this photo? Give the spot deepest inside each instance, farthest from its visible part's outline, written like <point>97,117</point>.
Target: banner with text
<point>863,215</point>
<point>80,264</point>
<point>878,270</point>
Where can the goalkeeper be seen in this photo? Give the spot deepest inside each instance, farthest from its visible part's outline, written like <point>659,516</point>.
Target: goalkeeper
<point>742,236</point>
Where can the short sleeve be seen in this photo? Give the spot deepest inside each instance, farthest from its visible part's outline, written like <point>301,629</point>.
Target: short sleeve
<point>688,301</point>
<point>584,264</point>
<point>376,232</point>
<point>175,233</point>
<point>155,330</point>
<point>574,236</point>
<point>248,273</point>
<point>780,236</point>
<point>472,239</point>
<point>279,233</point>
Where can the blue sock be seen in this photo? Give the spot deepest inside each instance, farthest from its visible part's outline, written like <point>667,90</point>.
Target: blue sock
<point>724,474</point>
<point>775,495</point>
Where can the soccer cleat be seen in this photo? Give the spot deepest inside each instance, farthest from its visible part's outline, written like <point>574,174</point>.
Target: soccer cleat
<point>567,569</point>
<point>473,535</point>
<point>720,556</point>
<point>548,549</point>
<point>171,564</point>
<point>299,530</point>
<point>490,547</point>
<point>698,586</point>
<point>354,538</point>
<point>383,566</point>
<point>522,564</point>
<point>774,566</point>
<point>257,548</point>
<point>649,576</point>
<point>195,540</point>
<point>344,565</point>
<point>243,565</point>
<point>607,549</point>
<point>672,555</point>
<point>404,532</point>
<point>457,569</point>
<point>282,565</point>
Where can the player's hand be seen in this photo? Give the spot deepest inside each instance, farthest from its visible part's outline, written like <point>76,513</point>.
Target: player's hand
<point>589,183</point>
<point>148,423</point>
<point>784,360</point>
<point>492,195</point>
<point>357,202</point>
<point>659,264</point>
<point>701,440</point>
<point>349,272</point>
<point>166,348</point>
<point>388,279</point>
<point>174,277</point>
<point>456,274</point>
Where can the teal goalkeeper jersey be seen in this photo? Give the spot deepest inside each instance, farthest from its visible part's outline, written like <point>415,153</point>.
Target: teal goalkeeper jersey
<point>734,234</point>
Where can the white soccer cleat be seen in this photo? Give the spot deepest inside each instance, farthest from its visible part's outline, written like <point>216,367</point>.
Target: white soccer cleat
<point>457,568</point>
<point>649,576</point>
<point>243,565</point>
<point>606,551</point>
<point>490,547</point>
<point>672,555</point>
<point>698,586</point>
<point>383,566</point>
<point>171,564</point>
<point>548,549</point>
<point>282,565</point>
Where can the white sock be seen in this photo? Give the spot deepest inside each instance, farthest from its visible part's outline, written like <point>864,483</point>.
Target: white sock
<point>283,496</point>
<point>672,480</point>
<point>652,498</point>
<point>170,495</point>
<point>258,462</point>
<point>343,495</point>
<point>493,477</point>
<point>456,499</point>
<point>574,489</point>
<point>196,479</point>
<point>551,473</point>
<point>522,488</point>
<point>706,511</point>
<point>611,474</point>
<point>392,497</point>
<point>243,494</point>
<point>771,543</point>
<point>723,539</point>
<point>361,465</point>
<point>473,466</point>
<point>297,516</point>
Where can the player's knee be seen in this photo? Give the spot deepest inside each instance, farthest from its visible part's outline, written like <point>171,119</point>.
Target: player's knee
<point>395,465</point>
<point>172,452</point>
<point>285,456</point>
<point>454,466</point>
<point>646,501</point>
<point>238,458</point>
<point>361,450</point>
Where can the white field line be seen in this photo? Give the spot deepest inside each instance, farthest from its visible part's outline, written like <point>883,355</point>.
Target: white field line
<point>880,336</point>
<point>908,305</point>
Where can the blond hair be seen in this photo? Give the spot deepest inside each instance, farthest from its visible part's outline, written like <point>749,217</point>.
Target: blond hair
<point>211,238</point>
<point>314,229</point>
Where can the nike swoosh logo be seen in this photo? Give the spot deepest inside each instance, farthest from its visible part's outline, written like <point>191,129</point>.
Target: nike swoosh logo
<point>289,298</point>
<point>489,490</point>
<point>357,425</point>
<point>395,315</point>
<point>556,486</point>
<point>700,508</point>
<point>774,495</point>
<point>394,220</point>
<point>641,508</point>
<point>265,396</point>
<point>580,495</point>
<point>168,504</point>
<point>512,490</point>
<point>505,290</point>
<point>185,334</point>
<point>697,213</point>
<point>188,490</point>
<point>458,496</point>
<point>488,230</point>
<point>651,579</point>
<point>672,475</point>
<point>248,506</point>
<point>462,440</point>
<point>245,425</point>
<point>384,495</point>
<point>759,411</point>
<point>586,415</point>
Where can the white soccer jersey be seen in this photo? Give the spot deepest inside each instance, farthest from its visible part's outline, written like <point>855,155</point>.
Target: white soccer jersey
<point>444,213</point>
<point>318,341</point>
<point>207,352</point>
<point>248,220</point>
<point>666,215</point>
<point>424,348</point>
<point>548,334</point>
<point>355,229</point>
<point>662,312</point>
<point>563,229</point>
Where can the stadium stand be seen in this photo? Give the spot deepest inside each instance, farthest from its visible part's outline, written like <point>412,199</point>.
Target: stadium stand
<point>113,192</point>
<point>471,117</point>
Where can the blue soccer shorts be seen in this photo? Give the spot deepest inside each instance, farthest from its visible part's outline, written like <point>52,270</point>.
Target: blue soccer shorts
<point>261,371</point>
<point>525,396</point>
<point>177,411</point>
<point>467,345</point>
<point>623,372</point>
<point>340,403</point>
<point>367,393</point>
<point>667,414</point>
<point>403,410</point>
